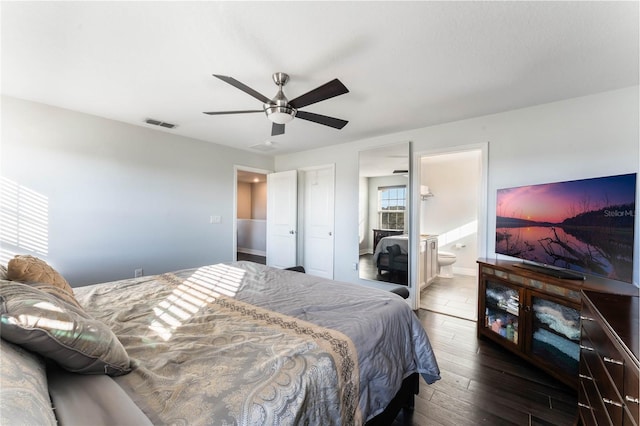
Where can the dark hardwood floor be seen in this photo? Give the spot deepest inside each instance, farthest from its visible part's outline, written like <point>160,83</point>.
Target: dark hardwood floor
<point>251,257</point>
<point>369,271</point>
<point>484,384</point>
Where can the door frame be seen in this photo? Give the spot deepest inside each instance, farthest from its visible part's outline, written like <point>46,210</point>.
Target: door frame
<point>416,205</point>
<point>236,168</point>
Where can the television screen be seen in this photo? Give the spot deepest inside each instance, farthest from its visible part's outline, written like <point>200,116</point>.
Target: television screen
<point>582,225</point>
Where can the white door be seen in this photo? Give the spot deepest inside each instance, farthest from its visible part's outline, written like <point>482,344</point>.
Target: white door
<point>318,222</point>
<point>282,204</point>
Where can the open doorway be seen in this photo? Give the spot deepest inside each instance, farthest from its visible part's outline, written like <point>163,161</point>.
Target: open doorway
<point>453,212</point>
<point>268,213</point>
<point>251,215</point>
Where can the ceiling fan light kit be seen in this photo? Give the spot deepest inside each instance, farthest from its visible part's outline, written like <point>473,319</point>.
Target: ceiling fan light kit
<point>280,110</point>
<point>279,114</point>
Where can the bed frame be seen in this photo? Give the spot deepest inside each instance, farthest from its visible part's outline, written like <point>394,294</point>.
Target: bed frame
<point>404,399</point>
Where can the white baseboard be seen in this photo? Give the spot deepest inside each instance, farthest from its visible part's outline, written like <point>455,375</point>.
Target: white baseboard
<point>252,251</point>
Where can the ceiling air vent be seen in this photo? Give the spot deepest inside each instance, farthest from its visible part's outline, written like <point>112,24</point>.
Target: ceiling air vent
<point>264,147</point>
<point>159,123</point>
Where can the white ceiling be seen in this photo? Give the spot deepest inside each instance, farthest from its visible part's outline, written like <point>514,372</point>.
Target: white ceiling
<point>407,64</point>
<point>384,160</point>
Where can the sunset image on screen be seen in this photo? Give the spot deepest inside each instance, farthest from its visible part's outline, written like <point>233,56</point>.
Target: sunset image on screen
<point>585,225</point>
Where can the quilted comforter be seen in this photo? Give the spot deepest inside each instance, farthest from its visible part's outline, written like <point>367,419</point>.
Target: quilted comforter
<point>243,343</point>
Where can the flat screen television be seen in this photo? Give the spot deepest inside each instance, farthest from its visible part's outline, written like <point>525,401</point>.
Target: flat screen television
<point>569,229</point>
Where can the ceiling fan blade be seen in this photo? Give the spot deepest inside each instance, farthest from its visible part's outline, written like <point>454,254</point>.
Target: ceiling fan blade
<point>235,83</point>
<point>277,129</point>
<point>326,91</point>
<point>336,123</point>
<point>232,112</point>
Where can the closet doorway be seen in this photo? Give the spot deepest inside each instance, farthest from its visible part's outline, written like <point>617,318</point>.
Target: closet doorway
<point>314,202</point>
<point>317,220</point>
<point>250,218</point>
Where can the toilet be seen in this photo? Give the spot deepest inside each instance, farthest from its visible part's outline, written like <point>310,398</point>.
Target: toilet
<point>445,260</point>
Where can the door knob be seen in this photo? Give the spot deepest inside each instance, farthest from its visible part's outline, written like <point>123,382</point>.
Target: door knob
<point>330,233</point>
<point>292,232</point>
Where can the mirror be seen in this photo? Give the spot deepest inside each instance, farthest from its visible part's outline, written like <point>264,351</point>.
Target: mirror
<point>383,219</point>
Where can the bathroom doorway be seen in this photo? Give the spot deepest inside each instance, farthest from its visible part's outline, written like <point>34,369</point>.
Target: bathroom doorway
<point>454,211</point>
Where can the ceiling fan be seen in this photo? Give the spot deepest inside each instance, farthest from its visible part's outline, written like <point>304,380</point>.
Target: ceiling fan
<point>280,110</point>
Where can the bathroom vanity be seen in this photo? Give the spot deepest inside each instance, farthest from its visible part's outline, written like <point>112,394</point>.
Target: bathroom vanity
<point>428,259</point>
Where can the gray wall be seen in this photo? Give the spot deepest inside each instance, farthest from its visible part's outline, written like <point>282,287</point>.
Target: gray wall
<point>583,137</point>
<point>101,198</point>
<point>116,197</point>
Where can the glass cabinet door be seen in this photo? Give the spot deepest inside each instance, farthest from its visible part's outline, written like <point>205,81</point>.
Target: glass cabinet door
<point>555,334</point>
<point>502,310</point>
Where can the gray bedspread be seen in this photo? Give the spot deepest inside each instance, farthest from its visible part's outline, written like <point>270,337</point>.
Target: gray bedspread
<point>243,343</point>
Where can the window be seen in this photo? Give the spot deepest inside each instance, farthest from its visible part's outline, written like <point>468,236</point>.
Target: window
<point>24,221</point>
<point>392,201</point>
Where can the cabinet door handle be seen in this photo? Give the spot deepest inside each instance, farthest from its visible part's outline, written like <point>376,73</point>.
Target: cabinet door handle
<point>610,402</point>
<point>612,361</point>
<point>580,404</point>
<point>631,399</point>
<point>582,376</point>
<point>583,318</point>
<point>586,348</point>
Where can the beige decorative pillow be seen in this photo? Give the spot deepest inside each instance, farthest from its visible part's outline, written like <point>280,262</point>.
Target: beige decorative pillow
<point>29,269</point>
<point>57,292</point>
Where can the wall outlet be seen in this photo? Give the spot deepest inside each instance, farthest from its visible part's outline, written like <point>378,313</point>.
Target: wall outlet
<point>215,219</point>
<point>137,273</point>
<point>355,266</point>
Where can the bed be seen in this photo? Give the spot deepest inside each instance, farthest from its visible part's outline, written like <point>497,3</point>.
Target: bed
<point>386,242</point>
<point>392,253</point>
<point>233,343</point>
